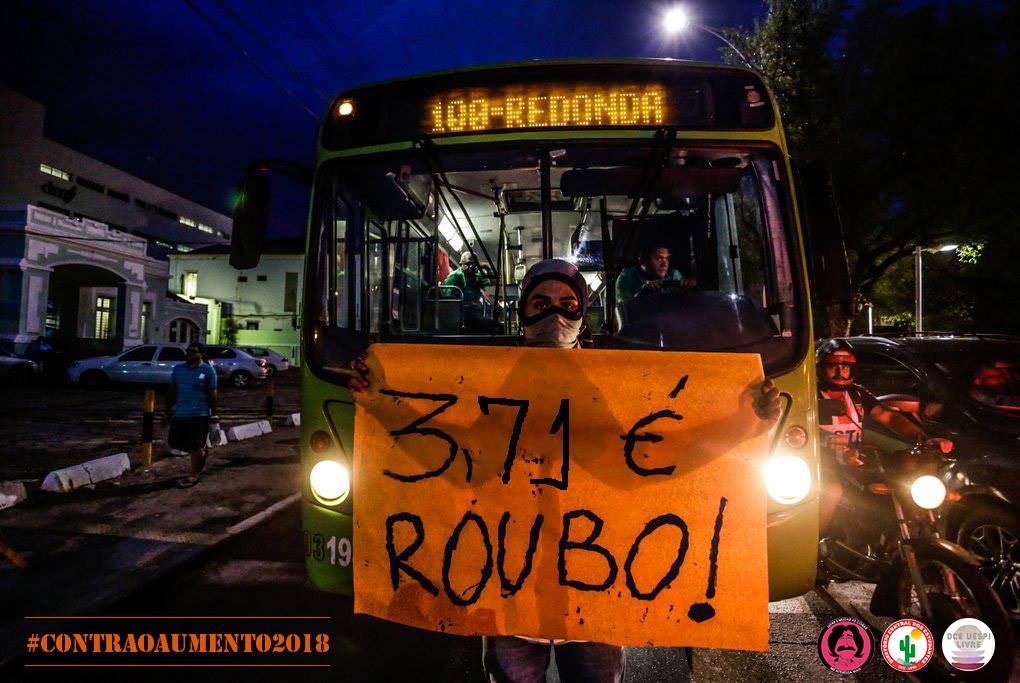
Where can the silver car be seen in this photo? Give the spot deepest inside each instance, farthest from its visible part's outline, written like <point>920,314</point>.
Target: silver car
<point>236,366</point>
<point>275,362</point>
<point>154,364</point>
<point>14,368</point>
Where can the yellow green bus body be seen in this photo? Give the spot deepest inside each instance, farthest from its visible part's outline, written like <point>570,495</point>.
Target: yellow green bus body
<point>792,529</point>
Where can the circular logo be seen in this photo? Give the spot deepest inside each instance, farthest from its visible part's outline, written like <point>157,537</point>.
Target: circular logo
<point>846,645</point>
<point>907,645</point>
<point>968,644</point>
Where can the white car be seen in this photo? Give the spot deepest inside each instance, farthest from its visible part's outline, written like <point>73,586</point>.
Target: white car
<point>275,362</point>
<point>154,364</point>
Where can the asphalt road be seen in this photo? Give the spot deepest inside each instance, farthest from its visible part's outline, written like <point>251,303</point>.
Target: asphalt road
<point>261,573</point>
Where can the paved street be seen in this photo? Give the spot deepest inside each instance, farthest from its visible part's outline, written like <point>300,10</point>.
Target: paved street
<point>261,572</point>
<point>91,547</point>
<point>231,546</point>
<point>46,427</point>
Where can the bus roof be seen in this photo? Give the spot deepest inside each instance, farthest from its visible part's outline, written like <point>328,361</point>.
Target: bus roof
<point>497,66</point>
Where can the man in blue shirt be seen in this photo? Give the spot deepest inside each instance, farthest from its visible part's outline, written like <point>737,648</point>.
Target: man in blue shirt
<point>192,404</point>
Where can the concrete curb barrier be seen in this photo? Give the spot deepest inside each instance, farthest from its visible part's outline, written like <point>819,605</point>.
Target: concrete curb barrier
<point>265,427</point>
<point>247,431</point>
<point>293,420</point>
<point>90,472</point>
<point>11,493</point>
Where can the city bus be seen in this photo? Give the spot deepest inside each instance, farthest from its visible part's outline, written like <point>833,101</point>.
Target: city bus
<point>580,160</point>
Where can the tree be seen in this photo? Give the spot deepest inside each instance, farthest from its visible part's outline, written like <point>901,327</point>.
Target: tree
<point>900,105</point>
<point>228,331</point>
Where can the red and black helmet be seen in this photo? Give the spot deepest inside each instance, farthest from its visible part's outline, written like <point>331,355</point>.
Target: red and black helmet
<point>836,364</point>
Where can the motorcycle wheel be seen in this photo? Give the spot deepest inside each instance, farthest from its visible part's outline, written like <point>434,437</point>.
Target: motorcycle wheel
<point>974,598</point>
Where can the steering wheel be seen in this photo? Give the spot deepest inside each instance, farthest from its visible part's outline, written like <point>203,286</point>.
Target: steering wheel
<point>666,285</point>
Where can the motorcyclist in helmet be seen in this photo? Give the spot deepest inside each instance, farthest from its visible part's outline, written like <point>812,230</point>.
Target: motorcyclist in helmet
<point>843,408</point>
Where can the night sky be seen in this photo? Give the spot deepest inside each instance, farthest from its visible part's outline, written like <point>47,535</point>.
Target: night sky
<point>154,88</point>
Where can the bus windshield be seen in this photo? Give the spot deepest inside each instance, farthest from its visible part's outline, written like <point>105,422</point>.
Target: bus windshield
<point>391,233</point>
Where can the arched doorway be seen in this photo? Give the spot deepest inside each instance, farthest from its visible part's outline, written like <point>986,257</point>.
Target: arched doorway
<point>183,331</point>
<point>84,309</point>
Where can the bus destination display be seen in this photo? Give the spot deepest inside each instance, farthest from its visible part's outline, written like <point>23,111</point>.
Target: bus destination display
<point>546,106</point>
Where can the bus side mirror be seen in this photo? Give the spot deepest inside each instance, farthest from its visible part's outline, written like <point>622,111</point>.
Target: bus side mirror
<point>251,219</point>
<point>827,261</point>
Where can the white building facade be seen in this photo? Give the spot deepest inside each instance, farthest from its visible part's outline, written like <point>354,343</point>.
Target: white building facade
<point>76,279</point>
<point>84,245</point>
<point>264,303</point>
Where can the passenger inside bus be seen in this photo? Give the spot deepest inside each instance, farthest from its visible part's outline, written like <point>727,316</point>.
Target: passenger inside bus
<point>709,218</point>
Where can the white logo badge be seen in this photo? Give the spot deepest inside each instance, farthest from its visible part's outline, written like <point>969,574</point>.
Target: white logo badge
<point>968,644</point>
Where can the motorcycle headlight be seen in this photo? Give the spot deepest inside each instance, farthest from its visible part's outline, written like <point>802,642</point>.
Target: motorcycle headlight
<point>330,482</point>
<point>928,491</point>
<point>787,479</point>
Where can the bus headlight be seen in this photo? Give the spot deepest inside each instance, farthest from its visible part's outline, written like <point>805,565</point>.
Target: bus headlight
<point>787,479</point>
<point>928,491</point>
<point>330,482</point>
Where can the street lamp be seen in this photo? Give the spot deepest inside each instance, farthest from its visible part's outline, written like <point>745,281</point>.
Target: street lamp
<point>677,19</point>
<point>918,281</point>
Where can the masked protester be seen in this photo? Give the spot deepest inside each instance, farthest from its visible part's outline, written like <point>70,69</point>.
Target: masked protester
<point>551,309</point>
<point>842,414</point>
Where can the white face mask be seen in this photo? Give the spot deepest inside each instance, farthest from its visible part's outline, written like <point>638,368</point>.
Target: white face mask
<point>554,331</point>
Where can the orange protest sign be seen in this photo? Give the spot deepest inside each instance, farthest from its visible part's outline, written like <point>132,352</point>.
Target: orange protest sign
<point>613,496</point>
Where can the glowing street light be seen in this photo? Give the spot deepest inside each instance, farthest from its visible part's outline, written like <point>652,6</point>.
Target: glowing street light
<point>677,19</point>
<point>919,281</point>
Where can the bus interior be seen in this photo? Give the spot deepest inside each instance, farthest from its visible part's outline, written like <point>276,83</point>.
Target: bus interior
<point>390,229</point>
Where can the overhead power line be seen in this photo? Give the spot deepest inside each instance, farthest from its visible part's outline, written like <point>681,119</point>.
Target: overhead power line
<point>247,28</point>
<point>240,48</point>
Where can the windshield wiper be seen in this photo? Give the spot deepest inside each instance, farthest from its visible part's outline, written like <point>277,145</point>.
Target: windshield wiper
<point>653,169</point>
<point>440,181</point>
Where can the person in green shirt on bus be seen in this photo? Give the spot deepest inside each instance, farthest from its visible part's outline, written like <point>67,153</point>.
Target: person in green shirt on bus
<point>472,281</point>
<point>650,272</point>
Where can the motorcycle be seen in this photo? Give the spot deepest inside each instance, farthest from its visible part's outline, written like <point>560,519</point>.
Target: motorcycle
<point>886,532</point>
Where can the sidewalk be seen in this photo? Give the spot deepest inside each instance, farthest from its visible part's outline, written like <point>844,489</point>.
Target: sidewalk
<point>88,548</point>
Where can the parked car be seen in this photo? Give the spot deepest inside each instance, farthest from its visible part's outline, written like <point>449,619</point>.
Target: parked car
<point>14,368</point>
<point>275,362</point>
<point>237,366</point>
<point>154,363</point>
<point>965,388</point>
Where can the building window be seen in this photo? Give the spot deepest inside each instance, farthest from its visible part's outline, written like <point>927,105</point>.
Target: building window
<point>261,278</point>
<point>189,283</point>
<point>55,172</point>
<point>188,221</point>
<point>205,228</point>
<point>52,317</point>
<point>142,204</point>
<point>183,331</point>
<point>242,278</point>
<point>251,324</point>
<point>104,308</point>
<point>226,309</point>
<point>122,196</point>
<point>167,213</point>
<point>90,184</point>
<point>146,316</point>
<point>290,293</point>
